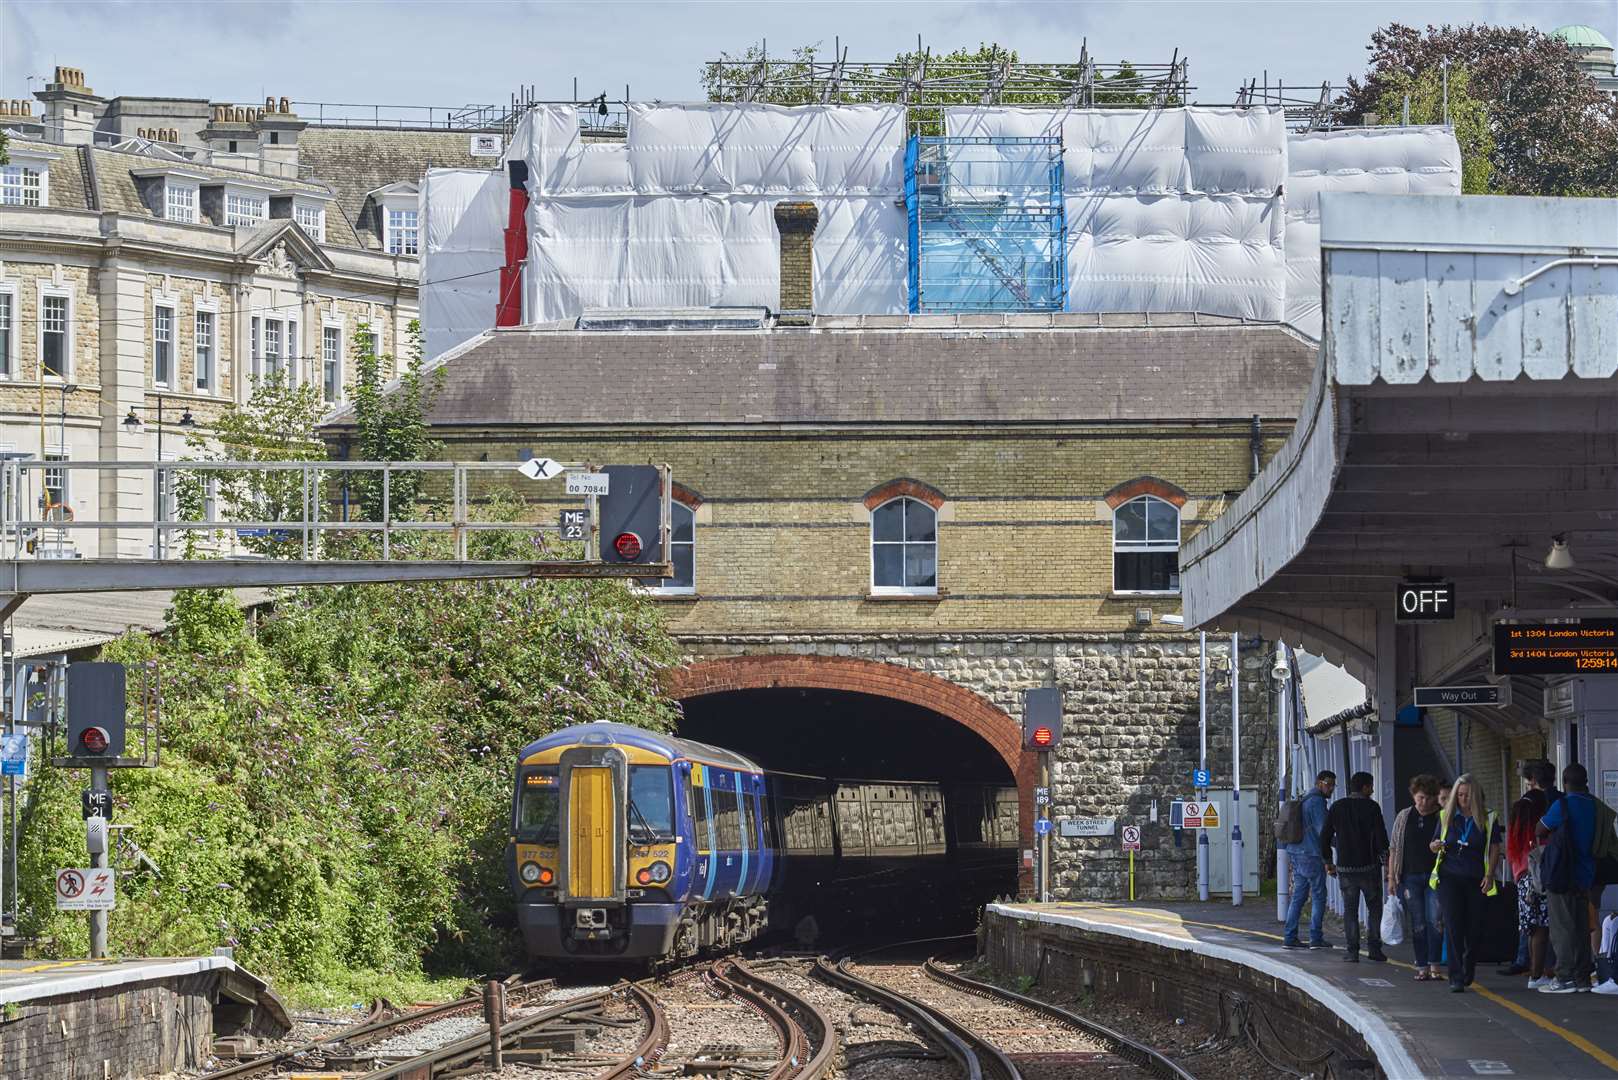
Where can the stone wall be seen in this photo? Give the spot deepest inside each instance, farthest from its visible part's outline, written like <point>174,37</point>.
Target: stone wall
<point>1130,731</point>
<point>118,1033</point>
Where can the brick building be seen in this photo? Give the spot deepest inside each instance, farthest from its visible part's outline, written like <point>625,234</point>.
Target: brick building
<point>159,254</point>
<point>888,527</point>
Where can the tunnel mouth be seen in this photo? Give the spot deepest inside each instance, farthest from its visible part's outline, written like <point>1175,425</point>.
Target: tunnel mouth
<point>863,740</point>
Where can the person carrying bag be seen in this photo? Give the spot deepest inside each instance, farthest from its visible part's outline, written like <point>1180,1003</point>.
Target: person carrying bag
<point>1468,850</point>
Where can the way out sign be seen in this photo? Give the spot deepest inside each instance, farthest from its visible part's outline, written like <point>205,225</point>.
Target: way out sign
<point>84,889</point>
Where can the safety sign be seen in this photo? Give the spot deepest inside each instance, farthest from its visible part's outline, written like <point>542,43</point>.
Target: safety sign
<point>1043,826</point>
<point>1194,815</point>
<point>1200,778</point>
<point>84,890</point>
<point>1131,837</point>
<point>14,754</point>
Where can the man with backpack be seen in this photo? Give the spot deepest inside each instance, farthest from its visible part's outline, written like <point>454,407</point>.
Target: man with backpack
<point>1570,831</point>
<point>1299,829</point>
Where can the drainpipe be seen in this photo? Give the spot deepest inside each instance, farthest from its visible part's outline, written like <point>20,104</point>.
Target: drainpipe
<point>1236,866</point>
<point>1255,445</point>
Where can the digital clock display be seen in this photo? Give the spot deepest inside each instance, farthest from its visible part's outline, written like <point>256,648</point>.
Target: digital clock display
<point>1573,647</point>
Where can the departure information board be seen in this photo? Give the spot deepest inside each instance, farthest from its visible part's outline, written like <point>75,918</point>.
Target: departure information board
<point>1573,647</point>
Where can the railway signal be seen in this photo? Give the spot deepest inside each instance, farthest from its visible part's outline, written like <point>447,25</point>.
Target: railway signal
<point>631,514</point>
<point>95,711</point>
<point>1042,719</point>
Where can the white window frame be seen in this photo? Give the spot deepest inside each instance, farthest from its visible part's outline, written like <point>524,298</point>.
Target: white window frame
<point>317,230</point>
<point>49,291</point>
<point>391,204</point>
<point>9,331</point>
<point>262,198</point>
<point>676,506</point>
<point>166,304</point>
<point>279,358</point>
<point>326,327</point>
<point>294,349</point>
<point>1147,546</point>
<point>872,542</point>
<point>212,385</point>
<point>255,347</point>
<point>22,168</point>
<point>56,453</point>
<point>187,210</point>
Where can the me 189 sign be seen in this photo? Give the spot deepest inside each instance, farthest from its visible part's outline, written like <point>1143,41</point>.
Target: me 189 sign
<point>1424,601</point>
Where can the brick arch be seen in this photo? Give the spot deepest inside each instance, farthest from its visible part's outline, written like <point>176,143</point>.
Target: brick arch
<point>688,497</point>
<point>855,675</point>
<point>914,489</point>
<point>1146,485</point>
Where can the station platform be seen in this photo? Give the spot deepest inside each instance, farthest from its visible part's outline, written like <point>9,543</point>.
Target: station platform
<point>1409,1030</point>
<point>125,1018</point>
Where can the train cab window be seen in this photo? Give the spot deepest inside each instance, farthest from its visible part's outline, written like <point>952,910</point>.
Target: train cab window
<point>539,806</point>
<point>699,819</point>
<point>651,804</point>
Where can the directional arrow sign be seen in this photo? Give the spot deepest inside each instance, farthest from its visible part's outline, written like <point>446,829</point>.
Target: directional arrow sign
<point>540,468</point>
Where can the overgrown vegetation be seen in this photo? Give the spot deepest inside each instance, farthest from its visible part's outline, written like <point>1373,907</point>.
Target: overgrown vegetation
<point>1425,99</point>
<point>335,780</point>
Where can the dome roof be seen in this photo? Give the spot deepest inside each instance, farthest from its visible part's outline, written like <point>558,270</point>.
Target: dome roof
<point>1579,36</point>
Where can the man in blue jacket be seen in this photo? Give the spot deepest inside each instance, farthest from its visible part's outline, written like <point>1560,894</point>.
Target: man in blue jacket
<point>1576,812</point>
<point>1308,869</point>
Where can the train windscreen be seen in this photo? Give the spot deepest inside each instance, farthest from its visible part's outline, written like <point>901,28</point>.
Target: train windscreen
<point>651,804</point>
<point>539,808</point>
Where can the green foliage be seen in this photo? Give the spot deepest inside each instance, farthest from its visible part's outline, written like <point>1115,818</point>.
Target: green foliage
<point>1426,94</point>
<point>334,790</point>
<point>335,783</point>
<point>1553,131</point>
<point>390,421</point>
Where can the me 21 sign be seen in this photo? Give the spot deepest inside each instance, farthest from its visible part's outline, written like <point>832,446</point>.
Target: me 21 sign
<point>1424,601</point>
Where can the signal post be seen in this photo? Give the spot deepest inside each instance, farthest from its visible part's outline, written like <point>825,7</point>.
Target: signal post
<point>1042,733</point>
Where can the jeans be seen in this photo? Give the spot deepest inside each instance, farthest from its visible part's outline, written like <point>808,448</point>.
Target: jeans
<point>1354,886</point>
<point>1570,934</point>
<point>1421,906</point>
<point>1461,899</point>
<point>1308,879</point>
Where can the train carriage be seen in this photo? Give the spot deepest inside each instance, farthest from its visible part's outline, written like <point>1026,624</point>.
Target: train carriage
<point>629,844</point>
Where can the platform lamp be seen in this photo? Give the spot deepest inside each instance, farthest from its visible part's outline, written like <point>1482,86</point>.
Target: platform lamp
<point>132,424</point>
<point>1559,557</point>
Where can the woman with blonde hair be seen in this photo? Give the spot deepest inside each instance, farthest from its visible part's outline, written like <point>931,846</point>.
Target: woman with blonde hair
<point>1468,850</point>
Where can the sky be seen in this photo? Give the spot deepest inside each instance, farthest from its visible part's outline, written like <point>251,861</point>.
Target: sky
<point>427,52</point>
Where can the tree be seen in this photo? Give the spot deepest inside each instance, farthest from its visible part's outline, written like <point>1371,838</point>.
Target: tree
<point>1554,131</point>
<point>1426,97</point>
<point>390,421</point>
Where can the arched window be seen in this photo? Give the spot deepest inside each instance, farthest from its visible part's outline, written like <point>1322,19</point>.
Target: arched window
<point>1146,546</point>
<point>683,550</point>
<point>904,547</point>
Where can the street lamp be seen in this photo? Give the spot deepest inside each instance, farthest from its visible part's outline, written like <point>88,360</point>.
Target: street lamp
<point>132,424</point>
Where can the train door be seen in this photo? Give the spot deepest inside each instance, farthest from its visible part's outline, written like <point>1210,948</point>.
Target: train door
<point>702,832</point>
<point>759,835</point>
<point>727,839</point>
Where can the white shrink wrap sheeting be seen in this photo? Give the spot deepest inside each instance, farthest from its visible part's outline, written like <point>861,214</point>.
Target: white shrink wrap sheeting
<point>1388,160</point>
<point>463,218</point>
<point>681,213</point>
<point>1167,210</point>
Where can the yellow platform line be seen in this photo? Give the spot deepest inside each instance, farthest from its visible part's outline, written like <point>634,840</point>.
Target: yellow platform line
<point>1573,1038</point>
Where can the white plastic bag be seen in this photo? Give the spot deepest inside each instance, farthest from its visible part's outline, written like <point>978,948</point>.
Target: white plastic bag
<point>1393,921</point>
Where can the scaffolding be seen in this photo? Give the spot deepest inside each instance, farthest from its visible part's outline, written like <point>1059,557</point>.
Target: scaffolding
<point>1307,107</point>
<point>926,84</point>
<point>987,223</point>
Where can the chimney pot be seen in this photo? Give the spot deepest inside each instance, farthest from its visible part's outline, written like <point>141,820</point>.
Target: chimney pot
<point>285,105</point>
<point>796,222</point>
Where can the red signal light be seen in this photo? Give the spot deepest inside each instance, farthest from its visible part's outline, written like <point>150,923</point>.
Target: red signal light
<point>627,545</point>
<point>644,877</point>
<point>1042,736</point>
<point>93,740</point>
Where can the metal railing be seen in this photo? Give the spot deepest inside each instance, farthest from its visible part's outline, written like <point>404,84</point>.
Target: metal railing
<point>199,155</point>
<point>291,509</point>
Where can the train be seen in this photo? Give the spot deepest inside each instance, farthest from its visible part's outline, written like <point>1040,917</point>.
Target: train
<point>630,845</point>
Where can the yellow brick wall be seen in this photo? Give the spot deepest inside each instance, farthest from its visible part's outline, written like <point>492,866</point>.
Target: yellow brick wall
<point>1024,540</point>
<point>21,393</point>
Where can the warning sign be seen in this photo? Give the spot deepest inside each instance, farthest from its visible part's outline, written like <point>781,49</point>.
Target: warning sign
<point>1131,837</point>
<point>1210,815</point>
<point>84,890</point>
<point>1191,816</point>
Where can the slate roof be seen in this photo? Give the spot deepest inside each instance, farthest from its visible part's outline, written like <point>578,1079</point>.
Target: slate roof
<point>357,161</point>
<point>913,371</point>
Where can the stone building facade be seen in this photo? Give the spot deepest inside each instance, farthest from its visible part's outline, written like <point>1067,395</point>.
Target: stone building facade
<point>159,255</point>
<point>1024,451</point>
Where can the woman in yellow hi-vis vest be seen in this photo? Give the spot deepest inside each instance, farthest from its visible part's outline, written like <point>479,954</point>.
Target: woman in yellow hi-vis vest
<point>1468,848</point>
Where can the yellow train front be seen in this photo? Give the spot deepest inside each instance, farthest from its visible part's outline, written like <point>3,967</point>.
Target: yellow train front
<point>630,845</point>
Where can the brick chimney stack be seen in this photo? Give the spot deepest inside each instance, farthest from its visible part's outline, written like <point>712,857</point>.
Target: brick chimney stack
<point>797,221</point>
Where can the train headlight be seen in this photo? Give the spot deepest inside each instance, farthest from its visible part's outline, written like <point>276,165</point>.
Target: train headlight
<point>660,872</point>
<point>531,872</point>
<point>644,875</point>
